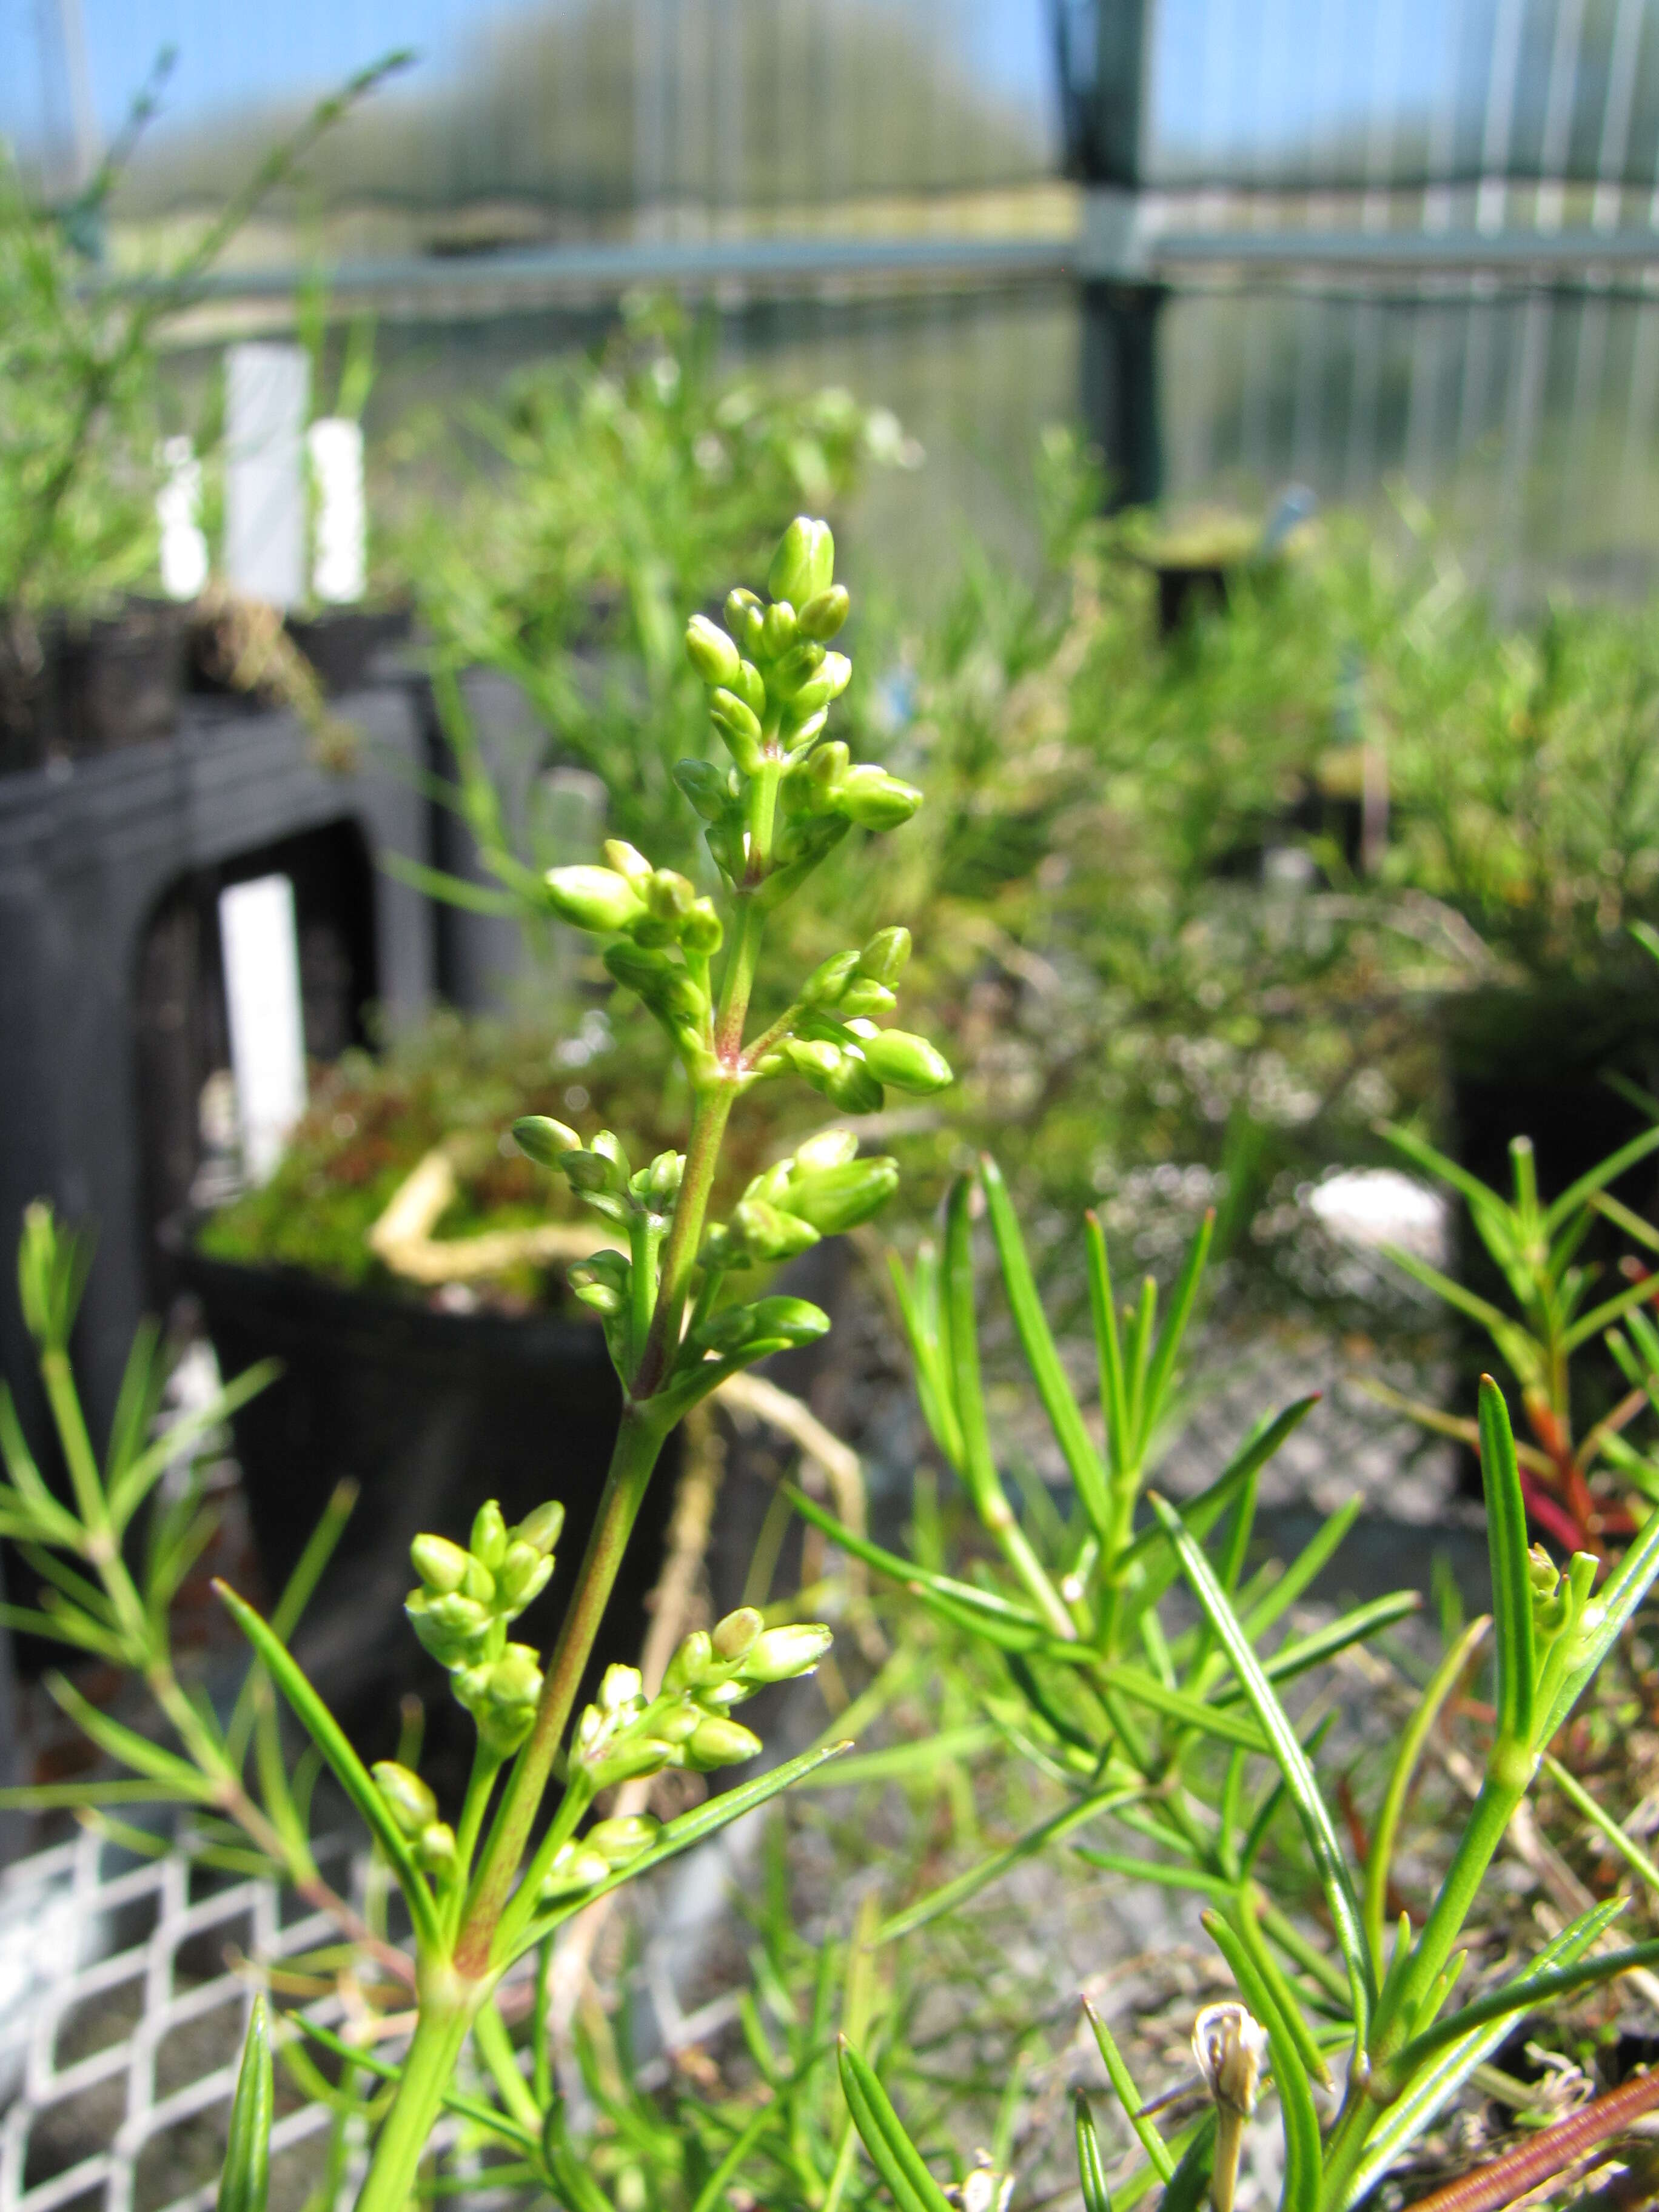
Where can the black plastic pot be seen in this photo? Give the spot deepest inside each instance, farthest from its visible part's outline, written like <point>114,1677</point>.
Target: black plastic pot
<point>345,647</point>
<point>430,1414</point>
<point>73,687</point>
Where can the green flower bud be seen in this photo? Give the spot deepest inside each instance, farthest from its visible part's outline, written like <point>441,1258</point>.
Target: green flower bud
<point>596,899</point>
<point>480,1582</point>
<point>736,1634</point>
<point>778,630</point>
<point>813,786</point>
<point>574,1868</point>
<point>620,1687</point>
<point>801,726</point>
<point>543,1529</point>
<point>823,615</point>
<point>435,1849</point>
<point>805,563</point>
<point>639,1756</point>
<point>452,1628</point>
<point>523,1574</point>
<point>883,957</point>
<point>596,1291</point>
<point>828,683</point>
<point>744,615</point>
<point>751,687</point>
<point>721,1695</point>
<point>411,1804</point>
<point>853,1087</point>
<point>710,651</point>
<point>705,786</point>
<point>720,1742</point>
<point>824,985</point>
<point>663,1177</point>
<point>441,1564</point>
<point>739,729</point>
<point>862,998</point>
<point>608,1146</point>
<point>669,896</point>
<point>782,1653</point>
<point>838,1199</point>
<point>765,1233</point>
<point>828,1149</point>
<point>702,931</point>
<point>544,1141</point>
<point>691,1663</point>
<point>586,1171</point>
<point>797,668</point>
<point>640,968</point>
<point>619,1842</point>
<point>488,1543</point>
<point>787,1321</point>
<point>628,861</point>
<point>908,1063</point>
<point>813,1058</point>
<point>500,1695</point>
<point>876,800</point>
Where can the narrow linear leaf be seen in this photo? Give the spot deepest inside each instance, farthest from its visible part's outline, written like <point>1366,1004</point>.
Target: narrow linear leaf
<point>1296,2103</point>
<point>1623,1594</point>
<point>1031,1325</point>
<point>1604,1172</point>
<point>1292,1759</point>
<point>892,2154</point>
<point>1182,1299</point>
<point>1118,2074</point>
<point>348,1769</point>
<point>1091,2167</point>
<point>1511,1576</point>
<point>1446,1676</point>
<point>474,2109</point>
<point>245,2180</point>
<point>1534,1989</point>
<point>1302,1654</point>
<point>966,1597</point>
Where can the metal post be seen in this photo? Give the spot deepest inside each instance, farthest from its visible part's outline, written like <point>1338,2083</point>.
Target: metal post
<point>1102,50</point>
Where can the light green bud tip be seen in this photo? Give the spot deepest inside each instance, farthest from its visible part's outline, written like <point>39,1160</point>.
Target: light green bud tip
<point>627,860</point>
<point>711,651</point>
<point>883,957</point>
<point>736,1634</point>
<point>718,1741</point>
<point>620,1841</point>
<point>805,563</point>
<point>596,899</point>
<point>908,1063</point>
<point>488,1543</point>
<point>783,1653</point>
<point>441,1564</point>
<point>411,1804</point>
<point>542,1528</point>
<point>544,1141</point>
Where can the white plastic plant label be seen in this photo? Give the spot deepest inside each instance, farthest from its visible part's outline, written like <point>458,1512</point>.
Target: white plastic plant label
<point>267,392</point>
<point>261,953</point>
<point>339,559</point>
<point>178,511</point>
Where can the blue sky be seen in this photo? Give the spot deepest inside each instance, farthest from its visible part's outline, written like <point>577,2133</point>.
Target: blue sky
<point>228,58</point>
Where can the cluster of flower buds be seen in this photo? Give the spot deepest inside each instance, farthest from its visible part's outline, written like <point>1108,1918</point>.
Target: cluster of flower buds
<point>822,1190</point>
<point>664,934</point>
<point>467,1599</point>
<point>771,678</point>
<point>415,1809</point>
<point>601,1174</point>
<point>835,1046</point>
<point>606,1849</point>
<point>1564,1618</point>
<point>688,1723</point>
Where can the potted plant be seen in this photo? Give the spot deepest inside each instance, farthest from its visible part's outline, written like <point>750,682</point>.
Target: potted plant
<point>91,657</point>
<point>473,1371</point>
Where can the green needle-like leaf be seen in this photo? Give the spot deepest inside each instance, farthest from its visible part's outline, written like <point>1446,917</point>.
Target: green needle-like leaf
<point>1296,2103</point>
<point>892,2154</point>
<point>348,1769</point>
<point>1038,1345</point>
<point>1292,1759</point>
<point>1091,2167</point>
<point>1118,2074</point>
<point>1511,1576</point>
<point>245,2182</point>
<point>953,1893</point>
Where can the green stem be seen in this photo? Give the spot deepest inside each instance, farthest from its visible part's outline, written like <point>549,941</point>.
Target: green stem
<point>639,1443</point>
<point>440,2036</point>
<point>495,2047</point>
<point>1493,1809</point>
